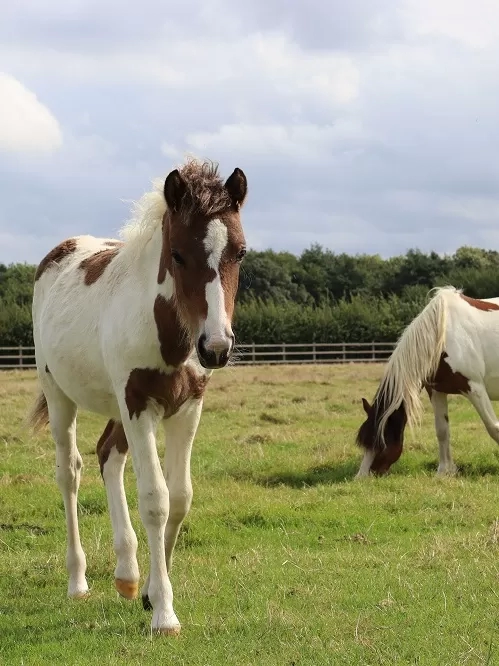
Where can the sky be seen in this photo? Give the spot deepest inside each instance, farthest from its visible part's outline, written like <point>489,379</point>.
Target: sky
<point>367,126</point>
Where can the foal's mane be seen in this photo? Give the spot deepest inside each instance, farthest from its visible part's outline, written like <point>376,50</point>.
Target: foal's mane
<point>206,196</point>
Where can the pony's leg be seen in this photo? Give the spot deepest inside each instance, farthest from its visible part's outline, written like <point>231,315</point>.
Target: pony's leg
<point>440,410</point>
<point>481,402</point>
<point>366,463</point>
<point>153,508</point>
<point>62,416</point>
<point>180,430</point>
<point>112,452</point>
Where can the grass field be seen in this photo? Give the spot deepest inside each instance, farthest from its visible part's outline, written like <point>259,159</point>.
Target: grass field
<point>284,559</point>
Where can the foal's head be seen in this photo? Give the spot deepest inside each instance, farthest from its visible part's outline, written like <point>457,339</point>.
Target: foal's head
<point>388,450</point>
<point>203,246</point>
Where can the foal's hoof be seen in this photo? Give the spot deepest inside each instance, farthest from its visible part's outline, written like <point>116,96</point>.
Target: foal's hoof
<point>168,631</point>
<point>78,590</point>
<point>126,588</point>
<point>146,604</point>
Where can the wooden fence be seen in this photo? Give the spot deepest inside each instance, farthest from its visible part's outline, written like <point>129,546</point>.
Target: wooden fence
<point>336,352</point>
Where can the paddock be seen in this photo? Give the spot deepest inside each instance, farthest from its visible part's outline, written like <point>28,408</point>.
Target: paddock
<point>284,558</point>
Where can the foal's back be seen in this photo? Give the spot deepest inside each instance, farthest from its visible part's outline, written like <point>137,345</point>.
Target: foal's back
<point>70,309</point>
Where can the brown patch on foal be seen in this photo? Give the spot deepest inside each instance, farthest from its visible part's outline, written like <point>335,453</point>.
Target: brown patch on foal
<point>480,305</point>
<point>447,381</point>
<point>170,391</point>
<point>55,256</point>
<point>113,435</point>
<point>95,265</point>
<point>174,341</point>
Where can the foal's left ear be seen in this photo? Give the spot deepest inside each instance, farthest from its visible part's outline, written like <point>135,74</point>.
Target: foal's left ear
<point>174,190</point>
<point>237,186</point>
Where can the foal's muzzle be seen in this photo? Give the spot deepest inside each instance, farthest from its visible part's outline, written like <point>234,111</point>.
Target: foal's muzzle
<point>214,353</point>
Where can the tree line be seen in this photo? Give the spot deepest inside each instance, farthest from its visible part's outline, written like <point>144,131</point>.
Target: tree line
<point>317,296</point>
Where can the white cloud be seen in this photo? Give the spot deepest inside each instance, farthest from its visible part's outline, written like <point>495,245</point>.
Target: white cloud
<point>305,141</point>
<point>474,209</point>
<point>169,150</point>
<point>269,65</point>
<point>474,24</point>
<point>26,125</point>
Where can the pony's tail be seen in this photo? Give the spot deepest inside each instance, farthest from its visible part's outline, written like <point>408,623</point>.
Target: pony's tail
<point>414,360</point>
<point>38,416</point>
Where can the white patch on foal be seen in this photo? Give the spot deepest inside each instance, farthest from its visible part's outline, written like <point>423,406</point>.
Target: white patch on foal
<point>217,327</point>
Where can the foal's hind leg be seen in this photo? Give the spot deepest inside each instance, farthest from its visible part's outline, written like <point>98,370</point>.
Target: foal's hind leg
<point>440,410</point>
<point>62,416</point>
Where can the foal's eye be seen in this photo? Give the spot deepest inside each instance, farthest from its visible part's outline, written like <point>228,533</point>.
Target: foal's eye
<point>177,258</point>
<point>240,254</point>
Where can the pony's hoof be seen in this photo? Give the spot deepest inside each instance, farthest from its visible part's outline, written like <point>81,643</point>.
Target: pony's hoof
<point>169,631</point>
<point>146,604</point>
<point>126,588</point>
<point>447,471</point>
<point>81,594</point>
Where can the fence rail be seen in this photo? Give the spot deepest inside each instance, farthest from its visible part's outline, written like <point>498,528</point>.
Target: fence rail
<point>255,354</point>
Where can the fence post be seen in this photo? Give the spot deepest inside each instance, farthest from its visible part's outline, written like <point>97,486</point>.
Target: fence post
<point>314,358</point>
<point>20,355</point>
<point>344,353</point>
<point>374,350</point>
<point>253,355</point>
<point>283,352</point>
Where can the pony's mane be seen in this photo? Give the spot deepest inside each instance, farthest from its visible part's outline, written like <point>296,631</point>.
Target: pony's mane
<point>415,359</point>
<point>206,196</point>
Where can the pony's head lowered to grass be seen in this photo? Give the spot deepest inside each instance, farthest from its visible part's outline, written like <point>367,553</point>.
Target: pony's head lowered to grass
<point>383,444</point>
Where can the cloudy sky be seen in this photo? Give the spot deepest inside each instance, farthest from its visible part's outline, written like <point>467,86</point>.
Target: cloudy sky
<point>365,126</point>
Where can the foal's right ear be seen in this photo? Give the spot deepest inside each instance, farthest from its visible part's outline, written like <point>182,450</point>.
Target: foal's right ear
<point>366,405</point>
<point>175,189</point>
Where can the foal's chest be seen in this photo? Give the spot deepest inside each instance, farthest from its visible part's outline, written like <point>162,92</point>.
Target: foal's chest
<point>169,390</point>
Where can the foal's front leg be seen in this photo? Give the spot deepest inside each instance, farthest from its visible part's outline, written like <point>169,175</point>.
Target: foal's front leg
<point>180,430</point>
<point>153,508</point>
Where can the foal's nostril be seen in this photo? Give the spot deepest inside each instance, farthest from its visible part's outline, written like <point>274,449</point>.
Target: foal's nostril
<point>202,345</point>
<point>223,357</point>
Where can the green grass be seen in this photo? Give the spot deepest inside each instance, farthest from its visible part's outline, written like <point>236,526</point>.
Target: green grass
<point>284,559</point>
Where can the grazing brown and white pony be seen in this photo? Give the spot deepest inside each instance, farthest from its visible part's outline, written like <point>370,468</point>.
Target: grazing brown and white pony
<point>132,330</point>
<point>450,348</point>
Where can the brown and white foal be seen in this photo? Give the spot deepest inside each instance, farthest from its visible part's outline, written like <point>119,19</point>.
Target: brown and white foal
<point>132,330</point>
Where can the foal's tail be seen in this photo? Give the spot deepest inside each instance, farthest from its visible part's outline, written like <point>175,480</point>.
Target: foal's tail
<point>414,360</point>
<point>38,416</point>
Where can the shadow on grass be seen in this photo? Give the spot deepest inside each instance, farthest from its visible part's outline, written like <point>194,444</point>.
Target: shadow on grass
<point>470,470</point>
<point>319,475</point>
<point>346,471</point>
